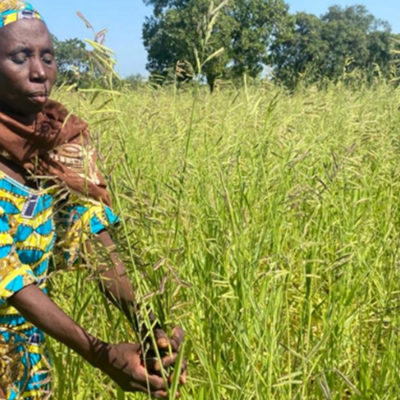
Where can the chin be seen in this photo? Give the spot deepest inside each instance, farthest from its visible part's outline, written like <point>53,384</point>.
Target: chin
<point>25,114</point>
<point>32,108</point>
<point>24,107</point>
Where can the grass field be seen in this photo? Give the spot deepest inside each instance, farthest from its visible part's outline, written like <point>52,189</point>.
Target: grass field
<point>267,225</point>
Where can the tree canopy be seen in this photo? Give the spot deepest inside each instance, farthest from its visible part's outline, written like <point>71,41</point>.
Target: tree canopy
<point>238,33</point>
<point>341,41</point>
<point>82,66</point>
<point>72,60</point>
<point>256,34</point>
<point>226,39</point>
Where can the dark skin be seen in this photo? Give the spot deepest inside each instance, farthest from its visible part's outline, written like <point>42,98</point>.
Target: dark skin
<point>28,69</point>
<point>27,74</point>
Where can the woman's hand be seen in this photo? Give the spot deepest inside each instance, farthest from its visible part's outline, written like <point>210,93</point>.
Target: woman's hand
<point>125,365</point>
<point>167,348</point>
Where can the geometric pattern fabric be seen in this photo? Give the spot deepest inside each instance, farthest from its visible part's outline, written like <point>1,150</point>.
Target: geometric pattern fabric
<point>16,10</point>
<point>29,221</point>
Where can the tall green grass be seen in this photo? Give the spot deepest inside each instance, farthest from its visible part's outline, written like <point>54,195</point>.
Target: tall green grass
<point>267,224</point>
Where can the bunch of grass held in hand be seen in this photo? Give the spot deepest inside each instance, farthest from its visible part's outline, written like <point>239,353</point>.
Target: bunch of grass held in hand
<point>164,356</point>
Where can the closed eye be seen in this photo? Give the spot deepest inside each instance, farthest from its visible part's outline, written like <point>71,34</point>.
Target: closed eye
<point>48,58</point>
<point>20,58</point>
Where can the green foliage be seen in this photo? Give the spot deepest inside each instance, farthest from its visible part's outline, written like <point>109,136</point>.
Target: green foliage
<point>266,224</point>
<point>85,64</point>
<point>342,41</point>
<point>72,61</point>
<point>177,33</point>
<point>135,81</point>
<point>192,31</point>
<point>256,22</point>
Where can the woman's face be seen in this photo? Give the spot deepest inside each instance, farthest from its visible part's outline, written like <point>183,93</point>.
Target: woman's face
<point>27,67</point>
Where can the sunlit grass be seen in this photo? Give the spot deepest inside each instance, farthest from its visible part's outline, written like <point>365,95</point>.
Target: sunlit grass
<point>267,225</point>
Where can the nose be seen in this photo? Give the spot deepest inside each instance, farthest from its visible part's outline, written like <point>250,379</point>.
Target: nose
<point>38,72</point>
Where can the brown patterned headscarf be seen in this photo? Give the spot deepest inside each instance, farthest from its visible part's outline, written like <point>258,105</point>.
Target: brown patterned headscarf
<point>57,146</point>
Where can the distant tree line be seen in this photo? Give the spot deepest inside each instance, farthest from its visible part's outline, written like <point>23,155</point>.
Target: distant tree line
<point>342,41</point>
<point>78,67</point>
<point>221,40</point>
<point>261,37</point>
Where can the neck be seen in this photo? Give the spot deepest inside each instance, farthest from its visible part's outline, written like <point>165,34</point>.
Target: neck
<point>27,120</point>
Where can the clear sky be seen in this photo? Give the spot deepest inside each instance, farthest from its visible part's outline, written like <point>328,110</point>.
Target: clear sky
<point>124,19</point>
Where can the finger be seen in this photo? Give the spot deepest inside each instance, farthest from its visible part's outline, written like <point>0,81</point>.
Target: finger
<point>135,387</point>
<point>162,339</point>
<point>153,382</point>
<point>183,374</point>
<point>168,361</point>
<point>178,336</point>
<point>160,395</point>
<point>164,395</point>
<point>184,365</point>
<point>183,378</point>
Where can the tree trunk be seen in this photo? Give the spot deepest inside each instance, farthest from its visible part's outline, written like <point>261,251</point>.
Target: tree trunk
<point>211,82</point>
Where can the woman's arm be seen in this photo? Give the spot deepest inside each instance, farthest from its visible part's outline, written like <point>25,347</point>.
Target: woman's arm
<point>122,362</point>
<point>117,287</point>
<point>114,280</point>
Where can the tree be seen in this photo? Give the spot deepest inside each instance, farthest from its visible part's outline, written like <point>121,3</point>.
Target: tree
<point>186,33</point>
<point>135,81</point>
<point>256,22</point>
<point>342,40</point>
<point>72,61</point>
<point>192,31</point>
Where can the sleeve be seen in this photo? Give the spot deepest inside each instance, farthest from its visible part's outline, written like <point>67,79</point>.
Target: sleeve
<point>83,218</point>
<point>14,275</point>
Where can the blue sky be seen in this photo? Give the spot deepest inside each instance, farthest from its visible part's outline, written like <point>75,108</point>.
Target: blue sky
<point>124,19</point>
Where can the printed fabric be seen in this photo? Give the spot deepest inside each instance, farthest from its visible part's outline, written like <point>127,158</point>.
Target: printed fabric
<point>27,239</point>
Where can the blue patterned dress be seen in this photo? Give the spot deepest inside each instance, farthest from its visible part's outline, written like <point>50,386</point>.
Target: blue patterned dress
<point>27,238</point>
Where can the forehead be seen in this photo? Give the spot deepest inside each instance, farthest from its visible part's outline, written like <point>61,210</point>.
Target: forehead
<point>30,33</point>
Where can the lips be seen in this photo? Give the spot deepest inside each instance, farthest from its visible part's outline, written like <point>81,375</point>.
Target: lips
<point>39,97</point>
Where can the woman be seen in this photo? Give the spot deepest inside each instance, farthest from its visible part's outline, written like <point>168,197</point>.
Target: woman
<point>39,138</point>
